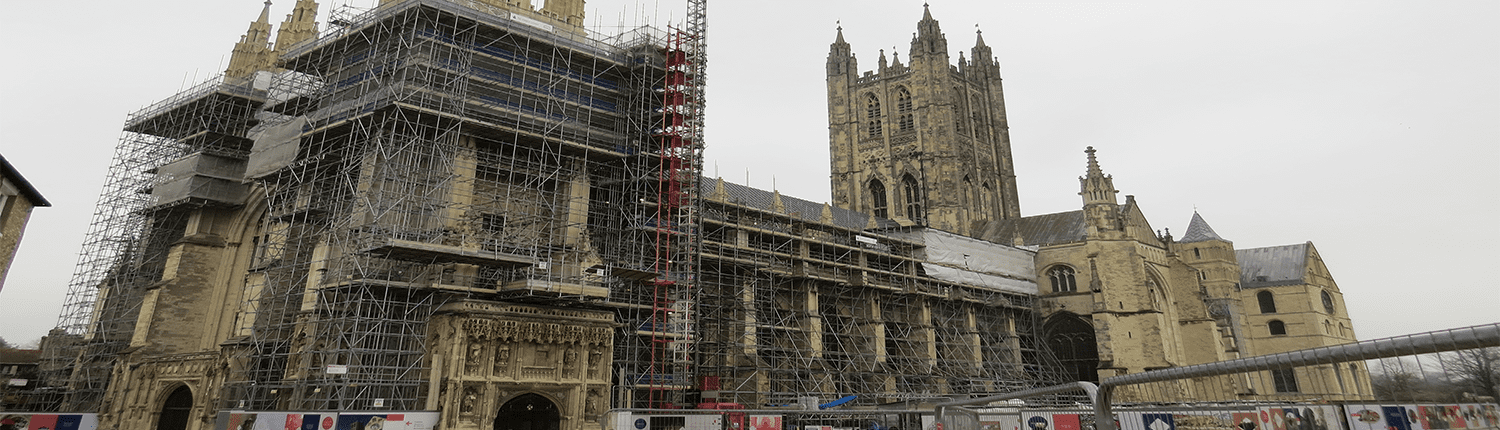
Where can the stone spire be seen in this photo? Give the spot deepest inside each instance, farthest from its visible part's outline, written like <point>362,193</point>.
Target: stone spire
<point>1100,205</point>
<point>983,55</point>
<point>883,63</point>
<point>253,53</point>
<point>300,26</point>
<point>840,56</point>
<point>1097,187</point>
<point>1198,231</point>
<point>930,39</point>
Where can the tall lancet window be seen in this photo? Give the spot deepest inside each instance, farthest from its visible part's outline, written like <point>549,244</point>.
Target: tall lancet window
<point>913,194</point>
<point>958,111</point>
<point>877,198</point>
<point>872,116</point>
<point>904,121</point>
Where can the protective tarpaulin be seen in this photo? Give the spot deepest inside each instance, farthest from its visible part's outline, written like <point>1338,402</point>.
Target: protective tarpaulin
<point>275,148</point>
<point>966,260</point>
<point>980,279</point>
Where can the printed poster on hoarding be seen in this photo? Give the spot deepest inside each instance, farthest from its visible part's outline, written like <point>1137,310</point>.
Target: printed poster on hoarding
<point>49,421</point>
<point>999,422</point>
<point>1245,421</point>
<point>765,422</point>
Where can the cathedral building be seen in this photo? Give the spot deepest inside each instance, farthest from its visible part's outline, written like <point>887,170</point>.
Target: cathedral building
<point>482,211</point>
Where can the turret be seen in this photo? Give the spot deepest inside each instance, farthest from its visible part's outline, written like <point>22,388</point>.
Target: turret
<point>1100,202</point>
<point>300,26</point>
<point>984,57</point>
<point>570,11</point>
<point>840,56</point>
<point>253,53</point>
<point>929,39</point>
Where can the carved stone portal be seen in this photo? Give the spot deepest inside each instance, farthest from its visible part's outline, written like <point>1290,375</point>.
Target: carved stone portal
<point>562,354</point>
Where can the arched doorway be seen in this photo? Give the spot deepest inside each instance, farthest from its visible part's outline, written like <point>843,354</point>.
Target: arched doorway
<point>528,412</point>
<point>1071,340</point>
<point>176,410</point>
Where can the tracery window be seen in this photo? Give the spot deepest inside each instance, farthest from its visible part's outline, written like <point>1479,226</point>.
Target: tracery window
<point>904,121</point>
<point>877,198</point>
<point>1063,280</point>
<point>1267,302</point>
<point>872,116</point>
<point>913,194</point>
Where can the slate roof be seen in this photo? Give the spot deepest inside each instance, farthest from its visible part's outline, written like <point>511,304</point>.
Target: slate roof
<point>27,190</point>
<point>20,356</point>
<point>1038,230</point>
<point>1272,266</point>
<point>799,208</point>
<point>1198,231</point>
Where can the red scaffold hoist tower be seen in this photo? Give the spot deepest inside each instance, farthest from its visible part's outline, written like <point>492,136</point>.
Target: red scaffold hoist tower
<point>680,158</point>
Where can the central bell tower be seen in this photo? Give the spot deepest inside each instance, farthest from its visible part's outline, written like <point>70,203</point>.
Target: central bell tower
<point>922,144</point>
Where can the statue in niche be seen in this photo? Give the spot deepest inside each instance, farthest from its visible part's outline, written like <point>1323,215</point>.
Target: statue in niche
<point>476,352</point>
<point>502,360</point>
<point>470,401</point>
<point>595,356</point>
<point>570,358</point>
<point>591,404</point>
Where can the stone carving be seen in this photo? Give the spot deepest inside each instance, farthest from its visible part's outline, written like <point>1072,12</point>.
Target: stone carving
<point>470,402</point>
<point>570,359</point>
<point>476,354</point>
<point>502,360</point>
<point>595,356</point>
<point>591,403</point>
<point>543,333</point>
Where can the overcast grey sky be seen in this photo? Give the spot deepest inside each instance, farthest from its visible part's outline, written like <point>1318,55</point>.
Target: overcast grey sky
<point>1370,128</point>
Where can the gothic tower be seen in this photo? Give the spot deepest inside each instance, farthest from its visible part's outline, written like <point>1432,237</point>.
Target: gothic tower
<point>925,143</point>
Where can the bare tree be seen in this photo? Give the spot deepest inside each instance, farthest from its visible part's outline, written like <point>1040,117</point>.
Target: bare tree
<point>1474,371</point>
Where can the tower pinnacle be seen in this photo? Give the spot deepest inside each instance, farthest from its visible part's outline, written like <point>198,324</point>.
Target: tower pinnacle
<point>1097,187</point>
<point>253,53</point>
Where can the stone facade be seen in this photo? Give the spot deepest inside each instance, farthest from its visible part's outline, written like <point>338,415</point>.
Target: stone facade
<point>489,354</point>
<point>921,278</point>
<point>923,144</point>
<point>17,199</point>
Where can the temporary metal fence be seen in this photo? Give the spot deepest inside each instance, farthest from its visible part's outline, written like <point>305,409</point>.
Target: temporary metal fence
<point>1444,379</point>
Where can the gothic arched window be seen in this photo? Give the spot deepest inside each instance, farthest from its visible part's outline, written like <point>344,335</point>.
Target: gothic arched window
<point>986,198</point>
<point>1267,302</point>
<point>904,121</point>
<point>1072,341</point>
<point>877,198</point>
<point>958,111</point>
<point>1277,327</point>
<point>968,192</point>
<point>913,194</point>
<point>1063,280</point>
<point>872,116</point>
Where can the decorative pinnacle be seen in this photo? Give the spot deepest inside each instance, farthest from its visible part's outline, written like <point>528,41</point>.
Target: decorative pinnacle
<point>1094,170</point>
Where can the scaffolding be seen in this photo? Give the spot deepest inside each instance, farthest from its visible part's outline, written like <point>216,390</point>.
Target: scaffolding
<point>802,299</point>
<point>427,152</point>
<point>169,155</point>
